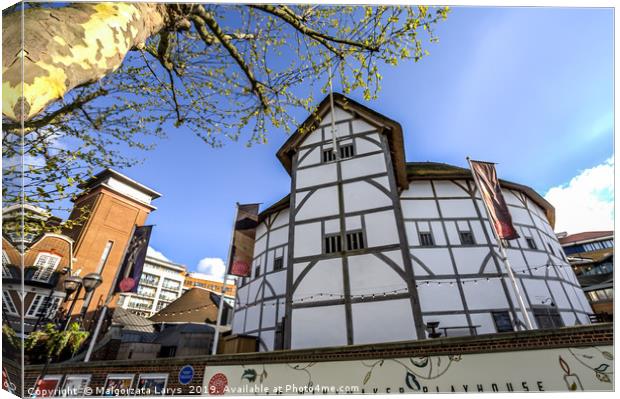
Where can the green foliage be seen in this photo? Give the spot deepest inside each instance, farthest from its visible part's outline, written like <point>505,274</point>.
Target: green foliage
<point>53,341</point>
<point>252,81</point>
<point>10,336</point>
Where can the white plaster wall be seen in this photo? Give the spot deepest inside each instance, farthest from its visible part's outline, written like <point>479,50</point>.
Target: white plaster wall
<point>485,294</point>
<point>520,216</point>
<point>253,288</point>
<point>278,281</point>
<point>268,339</point>
<point>412,233</point>
<point>339,115</point>
<point>419,209</point>
<point>281,219</point>
<point>253,314</point>
<point>317,327</point>
<point>360,196</point>
<point>457,208</point>
<point>238,322</point>
<point>313,137</point>
<point>368,274</point>
<point>307,239</point>
<point>278,237</point>
<point>470,260</point>
<point>438,233</point>
<point>309,156</point>
<point>364,166</point>
<point>269,314</point>
<point>485,321</point>
<point>361,126</point>
<point>320,174</point>
<point>383,321</point>
<point>364,146</point>
<point>445,188</point>
<point>436,259</point>
<point>260,245</point>
<point>321,203</point>
<point>436,298</point>
<point>418,188</point>
<point>324,278</point>
<point>381,229</point>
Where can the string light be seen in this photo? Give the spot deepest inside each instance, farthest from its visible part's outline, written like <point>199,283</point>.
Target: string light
<point>419,283</point>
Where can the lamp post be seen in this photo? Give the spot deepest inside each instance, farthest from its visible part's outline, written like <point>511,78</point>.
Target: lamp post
<point>91,281</point>
<point>71,284</point>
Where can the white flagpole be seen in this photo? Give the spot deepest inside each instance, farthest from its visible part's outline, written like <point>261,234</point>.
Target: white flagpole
<point>504,255</point>
<point>333,121</point>
<point>220,310</point>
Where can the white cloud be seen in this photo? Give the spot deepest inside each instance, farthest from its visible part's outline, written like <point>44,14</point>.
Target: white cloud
<point>156,254</point>
<point>586,203</point>
<point>214,268</point>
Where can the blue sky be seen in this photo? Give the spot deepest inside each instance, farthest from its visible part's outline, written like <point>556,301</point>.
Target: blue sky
<point>529,88</point>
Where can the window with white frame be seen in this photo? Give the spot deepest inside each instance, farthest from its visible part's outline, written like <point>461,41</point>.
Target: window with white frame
<point>46,264</point>
<point>43,306</point>
<point>7,303</point>
<point>5,264</point>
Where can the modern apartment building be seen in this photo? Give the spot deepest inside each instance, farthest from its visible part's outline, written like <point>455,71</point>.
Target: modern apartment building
<point>203,281</point>
<point>161,283</point>
<point>591,254</point>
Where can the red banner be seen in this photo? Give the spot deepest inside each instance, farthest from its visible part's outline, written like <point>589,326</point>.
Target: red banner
<point>491,192</point>
<point>242,251</point>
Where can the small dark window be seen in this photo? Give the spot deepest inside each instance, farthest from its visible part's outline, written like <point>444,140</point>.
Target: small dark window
<point>467,238</point>
<point>278,263</point>
<point>355,240</point>
<point>502,320</point>
<point>257,271</point>
<point>426,239</point>
<point>333,244</point>
<point>531,243</point>
<point>347,151</point>
<point>548,317</point>
<point>328,155</point>
<point>168,351</point>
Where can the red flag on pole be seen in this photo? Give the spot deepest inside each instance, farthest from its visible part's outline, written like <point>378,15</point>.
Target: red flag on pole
<point>491,192</point>
<point>242,251</point>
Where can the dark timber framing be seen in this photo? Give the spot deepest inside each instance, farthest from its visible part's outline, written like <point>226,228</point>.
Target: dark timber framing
<point>295,159</point>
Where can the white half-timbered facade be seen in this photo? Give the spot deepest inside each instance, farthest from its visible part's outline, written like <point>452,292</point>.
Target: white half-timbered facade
<point>368,248</point>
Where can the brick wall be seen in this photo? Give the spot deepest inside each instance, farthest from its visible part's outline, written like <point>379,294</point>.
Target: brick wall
<point>598,334</point>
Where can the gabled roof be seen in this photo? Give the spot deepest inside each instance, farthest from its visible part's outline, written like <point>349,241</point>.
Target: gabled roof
<point>585,236</point>
<point>391,129</point>
<point>195,306</point>
<point>130,321</point>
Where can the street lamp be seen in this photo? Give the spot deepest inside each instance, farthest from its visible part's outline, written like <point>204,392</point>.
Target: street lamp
<point>91,281</point>
<point>71,284</point>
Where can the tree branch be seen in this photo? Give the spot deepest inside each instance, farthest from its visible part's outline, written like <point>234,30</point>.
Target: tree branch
<point>208,20</point>
<point>286,14</point>
<point>49,118</point>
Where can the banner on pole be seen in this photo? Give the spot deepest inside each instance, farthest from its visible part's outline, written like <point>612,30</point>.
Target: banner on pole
<point>242,251</point>
<point>131,268</point>
<point>491,192</point>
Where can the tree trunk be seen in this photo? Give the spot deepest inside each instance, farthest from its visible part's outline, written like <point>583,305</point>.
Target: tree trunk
<point>67,47</point>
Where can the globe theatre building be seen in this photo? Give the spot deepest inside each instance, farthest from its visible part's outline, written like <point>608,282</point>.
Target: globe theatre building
<point>369,248</point>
